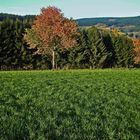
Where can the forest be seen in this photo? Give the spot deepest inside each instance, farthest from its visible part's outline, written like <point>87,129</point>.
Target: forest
<point>95,48</point>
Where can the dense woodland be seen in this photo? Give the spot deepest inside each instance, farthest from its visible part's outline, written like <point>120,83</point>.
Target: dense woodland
<point>95,48</point>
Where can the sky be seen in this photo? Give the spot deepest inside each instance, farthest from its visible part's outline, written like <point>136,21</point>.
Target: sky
<point>74,8</point>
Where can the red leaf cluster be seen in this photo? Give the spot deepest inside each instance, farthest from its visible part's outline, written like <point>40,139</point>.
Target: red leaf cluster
<point>54,30</point>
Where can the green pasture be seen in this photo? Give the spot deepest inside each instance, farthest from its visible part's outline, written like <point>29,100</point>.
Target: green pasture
<point>70,105</point>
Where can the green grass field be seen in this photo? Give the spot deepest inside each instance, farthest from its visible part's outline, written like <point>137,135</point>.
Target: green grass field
<point>70,105</point>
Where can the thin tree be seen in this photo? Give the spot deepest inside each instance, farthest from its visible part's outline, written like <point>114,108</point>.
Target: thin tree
<point>50,31</point>
<point>136,43</point>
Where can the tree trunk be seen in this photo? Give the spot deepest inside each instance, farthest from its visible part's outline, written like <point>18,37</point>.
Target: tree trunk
<point>53,59</point>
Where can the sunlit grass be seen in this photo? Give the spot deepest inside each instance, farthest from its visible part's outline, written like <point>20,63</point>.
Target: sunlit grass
<point>70,104</point>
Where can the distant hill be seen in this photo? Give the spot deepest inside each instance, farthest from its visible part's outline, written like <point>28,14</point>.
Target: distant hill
<point>110,21</point>
<point>128,25</point>
<point>14,17</point>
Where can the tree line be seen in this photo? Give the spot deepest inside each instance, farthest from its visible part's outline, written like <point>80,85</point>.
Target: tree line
<point>22,47</point>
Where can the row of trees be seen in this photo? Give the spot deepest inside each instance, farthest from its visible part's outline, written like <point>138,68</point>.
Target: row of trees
<point>15,53</point>
<point>53,41</point>
<point>99,49</point>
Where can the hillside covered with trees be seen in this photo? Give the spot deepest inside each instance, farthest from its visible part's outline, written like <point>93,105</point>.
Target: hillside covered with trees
<point>117,21</point>
<point>4,16</point>
<point>128,25</point>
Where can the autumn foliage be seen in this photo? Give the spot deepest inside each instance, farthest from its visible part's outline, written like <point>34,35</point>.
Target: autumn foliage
<point>51,30</point>
<point>136,43</point>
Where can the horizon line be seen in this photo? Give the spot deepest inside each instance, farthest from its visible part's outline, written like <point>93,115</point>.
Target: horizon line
<point>22,15</point>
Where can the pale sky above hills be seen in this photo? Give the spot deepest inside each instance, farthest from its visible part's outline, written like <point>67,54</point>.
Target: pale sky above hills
<point>74,8</point>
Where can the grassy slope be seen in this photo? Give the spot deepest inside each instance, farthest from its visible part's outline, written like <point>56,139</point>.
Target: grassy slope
<point>99,104</point>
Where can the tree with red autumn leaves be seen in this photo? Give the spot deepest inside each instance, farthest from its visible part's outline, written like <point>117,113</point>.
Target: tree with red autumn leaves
<point>50,31</point>
<point>136,43</point>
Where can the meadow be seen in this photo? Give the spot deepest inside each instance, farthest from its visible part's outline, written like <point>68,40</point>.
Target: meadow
<point>70,105</point>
